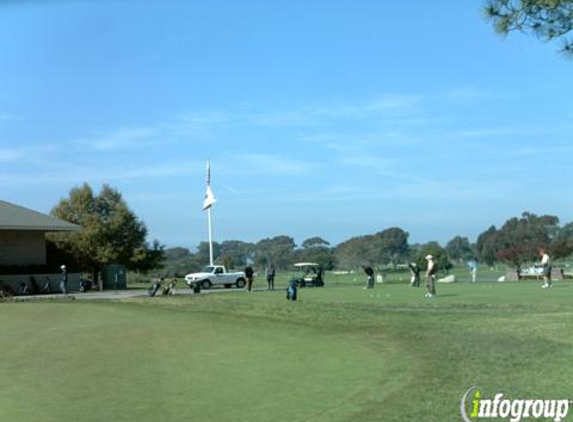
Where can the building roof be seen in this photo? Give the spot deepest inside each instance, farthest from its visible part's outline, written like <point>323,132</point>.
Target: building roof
<point>14,217</point>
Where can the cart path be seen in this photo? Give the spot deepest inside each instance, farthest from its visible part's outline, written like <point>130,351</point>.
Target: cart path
<point>122,294</point>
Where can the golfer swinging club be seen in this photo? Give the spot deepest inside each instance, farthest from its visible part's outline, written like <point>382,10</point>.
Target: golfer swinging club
<point>431,271</point>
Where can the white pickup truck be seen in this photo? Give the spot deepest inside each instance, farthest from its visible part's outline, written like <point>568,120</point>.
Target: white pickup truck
<point>215,275</point>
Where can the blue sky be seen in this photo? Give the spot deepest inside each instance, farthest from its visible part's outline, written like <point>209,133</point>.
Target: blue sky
<point>320,118</point>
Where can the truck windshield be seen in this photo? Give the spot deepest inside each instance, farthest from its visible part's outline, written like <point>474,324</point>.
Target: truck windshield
<point>207,269</point>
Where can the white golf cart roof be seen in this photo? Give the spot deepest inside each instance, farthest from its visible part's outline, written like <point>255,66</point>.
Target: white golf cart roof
<point>306,264</point>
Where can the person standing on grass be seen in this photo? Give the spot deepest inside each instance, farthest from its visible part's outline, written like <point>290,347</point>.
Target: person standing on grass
<point>473,271</point>
<point>370,274</point>
<point>171,286</point>
<point>415,273</point>
<point>431,271</point>
<point>249,275</point>
<point>270,273</point>
<point>64,280</point>
<point>546,269</point>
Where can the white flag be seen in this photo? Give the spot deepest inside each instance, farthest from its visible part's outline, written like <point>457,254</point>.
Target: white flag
<point>209,196</point>
<point>209,199</point>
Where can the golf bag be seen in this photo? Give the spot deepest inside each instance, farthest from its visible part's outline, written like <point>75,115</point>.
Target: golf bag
<point>46,288</point>
<point>23,289</point>
<point>291,292</point>
<point>154,288</point>
<point>85,285</point>
<point>35,286</point>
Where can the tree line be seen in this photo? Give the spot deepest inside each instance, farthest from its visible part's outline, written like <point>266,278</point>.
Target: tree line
<point>516,242</point>
<point>386,249</point>
<point>112,234</point>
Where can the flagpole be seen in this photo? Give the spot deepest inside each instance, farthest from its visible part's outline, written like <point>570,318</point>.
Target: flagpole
<point>210,236</point>
<point>209,201</point>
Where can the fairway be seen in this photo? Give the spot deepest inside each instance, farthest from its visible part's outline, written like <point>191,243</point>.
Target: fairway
<point>339,354</point>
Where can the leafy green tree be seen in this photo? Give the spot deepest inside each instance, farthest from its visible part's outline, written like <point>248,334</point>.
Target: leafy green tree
<point>514,254</point>
<point>440,257</point>
<point>358,251</point>
<point>518,240</point>
<point>178,262</point>
<point>487,246</point>
<point>202,255</point>
<point>459,249</point>
<point>393,244</point>
<point>316,249</point>
<point>546,19</point>
<point>236,253</point>
<point>177,253</point>
<point>313,242</point>
<point>111,233</point>
<point>562,245</point>
<point>521,238</point>
<point>414,251</point>
<point>389,246</point>
<point>277,251</point>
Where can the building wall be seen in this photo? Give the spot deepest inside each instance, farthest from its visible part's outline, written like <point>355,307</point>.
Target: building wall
<point>22,247</point>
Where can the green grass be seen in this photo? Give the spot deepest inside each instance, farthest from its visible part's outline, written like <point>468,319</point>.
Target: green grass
<point>339,354</point>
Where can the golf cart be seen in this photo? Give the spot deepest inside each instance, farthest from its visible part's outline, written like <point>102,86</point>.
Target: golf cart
<point>312,275</point>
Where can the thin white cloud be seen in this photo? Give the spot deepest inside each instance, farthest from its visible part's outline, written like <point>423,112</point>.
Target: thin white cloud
<point>352,144</point>
<point>282,118</point>
<point>31,154</point>
<point>387,168</point>
<point>418,190</point>
<point>150,171</point>
<point>10,155</point>
<point>206,124</point>
<point>121,138</point>
<point>210,117</point>
<point>324,113</point>
<point>468,94</point>
<point>539,151</point>
<point>370,161</point>
<point>4,116</point>
<point>74,174</point>
<point>487,132</point>
<point>270,164</point>
<point>157,197</point>
<point>393,102</point>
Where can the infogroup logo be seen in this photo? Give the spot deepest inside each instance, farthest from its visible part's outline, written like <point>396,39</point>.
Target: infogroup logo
<point>474,407</point>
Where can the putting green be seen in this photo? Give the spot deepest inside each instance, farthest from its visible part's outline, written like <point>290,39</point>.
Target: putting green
<point>180,362</point>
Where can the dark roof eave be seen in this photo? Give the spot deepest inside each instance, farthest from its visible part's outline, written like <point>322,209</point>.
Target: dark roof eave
<point>42,229</point>
<point>15,217</point>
